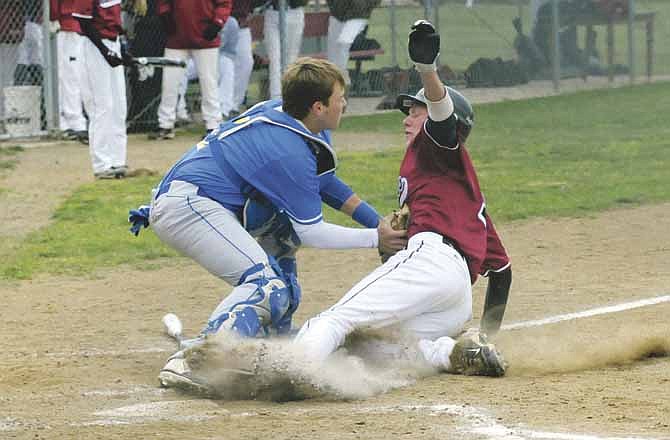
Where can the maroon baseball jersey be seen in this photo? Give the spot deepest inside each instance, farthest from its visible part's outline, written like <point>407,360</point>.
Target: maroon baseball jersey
<point>191,18</point>
<point>62,10</point>
<point>440,187</point>
<point>106,15</point>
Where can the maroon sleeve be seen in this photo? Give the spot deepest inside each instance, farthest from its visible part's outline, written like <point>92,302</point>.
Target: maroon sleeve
<point>164,7</point>
<point>222,9</point>
<point>54,10</point>
<point>496,256</point>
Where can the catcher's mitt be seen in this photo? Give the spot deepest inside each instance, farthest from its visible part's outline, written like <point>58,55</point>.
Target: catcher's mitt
<point>399,220</point>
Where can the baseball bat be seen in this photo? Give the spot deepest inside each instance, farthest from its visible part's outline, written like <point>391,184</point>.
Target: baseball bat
<point>159,61</point>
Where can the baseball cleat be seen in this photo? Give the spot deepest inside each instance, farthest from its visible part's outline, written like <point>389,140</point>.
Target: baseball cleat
<point>473,355</point>
<point>112,173</point>
<point>177,374</point>
<point>162,133</point>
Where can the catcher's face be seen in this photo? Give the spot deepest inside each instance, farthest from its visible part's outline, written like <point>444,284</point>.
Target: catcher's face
<point>414,121</point>
<point>332,113</point>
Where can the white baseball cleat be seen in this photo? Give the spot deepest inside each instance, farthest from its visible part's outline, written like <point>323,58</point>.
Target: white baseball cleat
<point>473,355</point>
<point>177,374</point>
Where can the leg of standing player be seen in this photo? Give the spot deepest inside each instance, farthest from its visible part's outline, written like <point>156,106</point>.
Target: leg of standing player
<point>167,110</point>
<point>207,63</point>
<point>227,54</point>
<point>104,94</point>
<point>69,74</point>
<point>244,64</point>
<point>424,289</point>
<point>295,23</point>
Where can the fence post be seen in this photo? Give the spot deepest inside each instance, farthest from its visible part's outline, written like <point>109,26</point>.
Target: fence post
<point>282,35</point>
<point>394,46</point>
<point>50,76</point>
<point>556,61</point>
<point>631,40</point>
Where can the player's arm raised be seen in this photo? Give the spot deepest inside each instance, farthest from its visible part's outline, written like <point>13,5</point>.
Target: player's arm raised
<point>424,49</point>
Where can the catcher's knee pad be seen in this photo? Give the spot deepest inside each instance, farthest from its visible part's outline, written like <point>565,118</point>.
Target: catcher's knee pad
<point>245,322</point>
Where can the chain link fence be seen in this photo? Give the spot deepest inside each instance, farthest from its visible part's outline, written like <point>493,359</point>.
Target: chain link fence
<point>485,43</point>
<point>22,61</point>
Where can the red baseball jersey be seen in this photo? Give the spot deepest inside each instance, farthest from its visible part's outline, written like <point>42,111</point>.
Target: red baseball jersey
<point>191,18</point>
<point>62,10</point>
<point>106,15</point>
<point>440,187</point>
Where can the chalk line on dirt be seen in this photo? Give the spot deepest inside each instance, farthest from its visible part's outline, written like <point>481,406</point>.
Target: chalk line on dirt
<point>588,313</point>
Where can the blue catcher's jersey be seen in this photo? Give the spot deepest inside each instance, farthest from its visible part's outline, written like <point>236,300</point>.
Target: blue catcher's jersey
<point>262,151</point>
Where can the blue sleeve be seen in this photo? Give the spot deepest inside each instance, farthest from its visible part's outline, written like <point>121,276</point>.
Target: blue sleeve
<point>334,192</point>
<point>291,184</point>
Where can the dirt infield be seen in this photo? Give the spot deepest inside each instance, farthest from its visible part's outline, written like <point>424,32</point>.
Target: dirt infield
<point>81,356</point>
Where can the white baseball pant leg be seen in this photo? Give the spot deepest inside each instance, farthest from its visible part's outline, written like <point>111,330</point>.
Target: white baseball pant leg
<point>210,234</point>
<point>295,24</point>
<point>244,65</point>
<point>207,63</point>
<point>341,34</point>
<point>227,52</point>
<point>191,72</point>
<point>104,94</point>
<point>69,81</point>
<point>172,77</point>
<point>424,290</point>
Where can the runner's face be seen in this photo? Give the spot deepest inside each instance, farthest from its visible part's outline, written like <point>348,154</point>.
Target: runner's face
<point>414,121</point>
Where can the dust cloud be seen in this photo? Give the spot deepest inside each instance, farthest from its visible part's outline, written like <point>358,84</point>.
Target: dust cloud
<point>274,369</point>
<point>572,347</point>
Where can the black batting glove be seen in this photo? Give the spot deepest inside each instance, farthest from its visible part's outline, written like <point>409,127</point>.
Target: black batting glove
<point>112,58</point>
<point>211,31</point>
<point>424,46</point>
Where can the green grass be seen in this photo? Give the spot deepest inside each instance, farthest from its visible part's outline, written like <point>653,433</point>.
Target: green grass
<point>89,230</point>
<point>560,156</point>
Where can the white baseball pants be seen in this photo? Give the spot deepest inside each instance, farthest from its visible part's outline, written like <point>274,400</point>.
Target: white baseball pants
<point>295,23</point>
<point>244,65</point>
<point>207,64</point>
<point>423,290</point>
<point>210,234</point>
<point>103,89</point>
<point>341,34</point>
<point>69,80</point>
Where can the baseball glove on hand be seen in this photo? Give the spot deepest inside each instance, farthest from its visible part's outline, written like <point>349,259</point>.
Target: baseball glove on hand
<point>399,220</point>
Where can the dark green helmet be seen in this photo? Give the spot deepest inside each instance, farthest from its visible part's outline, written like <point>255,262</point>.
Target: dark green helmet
<point>462,109</point>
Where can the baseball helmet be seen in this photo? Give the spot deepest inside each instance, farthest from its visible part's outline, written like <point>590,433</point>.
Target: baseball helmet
<point>465,116</point>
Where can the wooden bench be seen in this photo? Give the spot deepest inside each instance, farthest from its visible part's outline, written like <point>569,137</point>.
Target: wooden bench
<point>316,26</point>
<point>646,17</point>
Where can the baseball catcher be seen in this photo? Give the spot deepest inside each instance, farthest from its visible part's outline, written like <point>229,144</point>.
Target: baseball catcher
<point>426,289</point>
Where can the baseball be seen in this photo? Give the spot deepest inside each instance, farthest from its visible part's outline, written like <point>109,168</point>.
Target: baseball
<point>173,325</point>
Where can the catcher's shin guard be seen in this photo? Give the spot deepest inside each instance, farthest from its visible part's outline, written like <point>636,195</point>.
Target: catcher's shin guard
<point>265,307</point>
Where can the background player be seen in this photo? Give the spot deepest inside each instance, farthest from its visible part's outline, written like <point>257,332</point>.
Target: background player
<point>103,85</point>
<point>69,40</point>
<point>276,154</point>
<point>426,289</point>
<point>193,28</point>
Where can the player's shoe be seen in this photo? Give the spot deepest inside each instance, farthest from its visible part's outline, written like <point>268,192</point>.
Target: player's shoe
<point>473,355</point>
<point>177,374</point>
<point>82,136</point>
<point>112,173</point>
<point>162,134</point>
